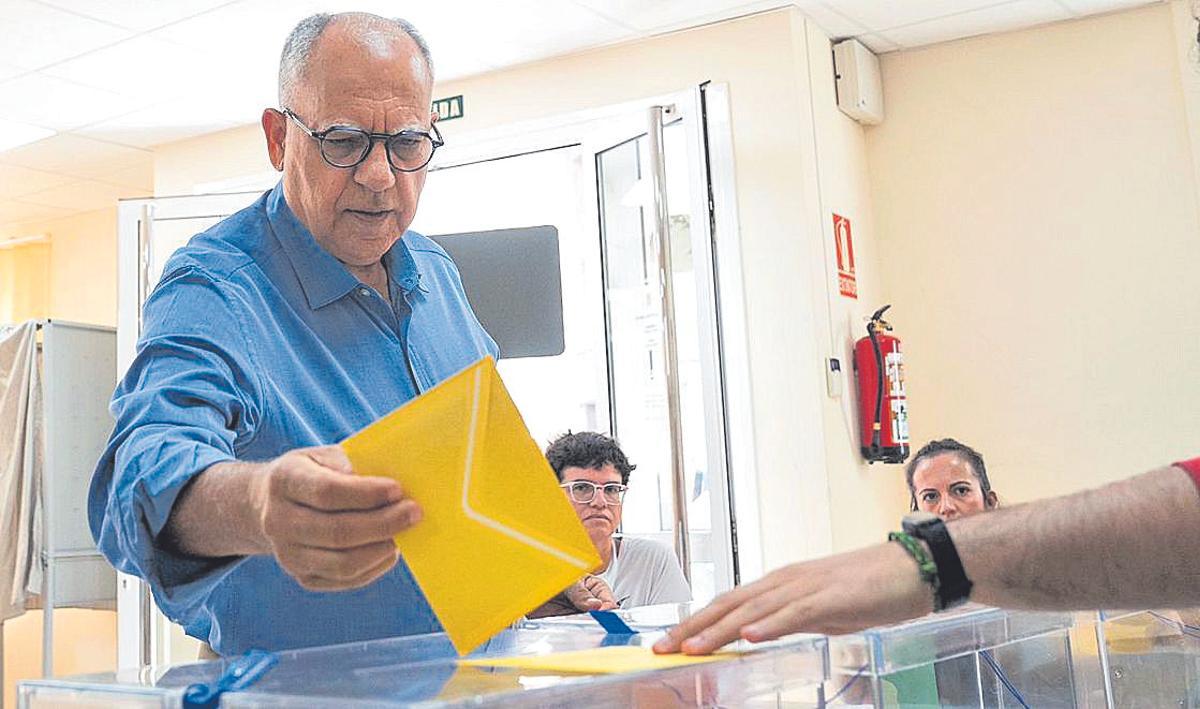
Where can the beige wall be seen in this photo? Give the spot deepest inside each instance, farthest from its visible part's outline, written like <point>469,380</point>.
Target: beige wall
<point>24,283</point>
<point>865,501</point>
<point>73,277</point>
<point>1037,219</point>
<point>84,641</point>
<point>83,267</point>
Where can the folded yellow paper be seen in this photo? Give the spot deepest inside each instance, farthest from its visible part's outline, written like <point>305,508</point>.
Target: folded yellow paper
<point>498,537</point>
<point>602,660</point>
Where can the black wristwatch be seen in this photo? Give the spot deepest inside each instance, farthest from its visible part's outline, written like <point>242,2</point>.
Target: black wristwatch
<point>952,587</point>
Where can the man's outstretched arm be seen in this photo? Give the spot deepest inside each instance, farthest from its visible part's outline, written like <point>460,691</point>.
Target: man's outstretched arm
<point>1129,544</point>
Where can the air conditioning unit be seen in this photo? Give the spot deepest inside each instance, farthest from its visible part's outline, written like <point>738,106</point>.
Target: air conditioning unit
<point>859,86</point>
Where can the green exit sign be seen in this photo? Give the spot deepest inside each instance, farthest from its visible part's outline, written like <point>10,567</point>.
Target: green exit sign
<point>449,108</point>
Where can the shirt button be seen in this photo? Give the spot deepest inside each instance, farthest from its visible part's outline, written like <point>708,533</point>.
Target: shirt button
<point>364,292</point>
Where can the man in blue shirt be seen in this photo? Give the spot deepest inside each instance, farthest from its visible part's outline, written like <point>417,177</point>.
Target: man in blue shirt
<point>272,336</point>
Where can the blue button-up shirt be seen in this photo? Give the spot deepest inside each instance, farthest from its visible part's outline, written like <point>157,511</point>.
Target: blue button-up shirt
<point>257,341</point>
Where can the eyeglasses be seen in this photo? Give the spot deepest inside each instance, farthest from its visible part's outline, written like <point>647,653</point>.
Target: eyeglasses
<point>583,491</point>
<point>347,146</point>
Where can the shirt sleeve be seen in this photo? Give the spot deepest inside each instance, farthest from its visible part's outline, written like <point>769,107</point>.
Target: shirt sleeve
<point>1191,467</point>
<point>187,401</point>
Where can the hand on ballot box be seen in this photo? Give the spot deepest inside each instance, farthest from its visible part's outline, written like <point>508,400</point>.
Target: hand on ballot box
<point>330,529</point>
<point>590,593</point>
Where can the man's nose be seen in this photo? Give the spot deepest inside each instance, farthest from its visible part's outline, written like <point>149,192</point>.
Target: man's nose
<point>598,500</point>
<point>375,173</point>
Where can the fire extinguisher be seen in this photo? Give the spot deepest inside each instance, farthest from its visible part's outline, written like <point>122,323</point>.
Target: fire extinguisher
<point>883,410</point>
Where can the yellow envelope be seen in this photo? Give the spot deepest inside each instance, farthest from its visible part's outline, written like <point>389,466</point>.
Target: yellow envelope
<point>498,537</point>
<point>602,660</point>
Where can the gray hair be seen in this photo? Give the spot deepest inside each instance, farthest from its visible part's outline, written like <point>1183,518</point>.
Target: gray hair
<point>297,50</point>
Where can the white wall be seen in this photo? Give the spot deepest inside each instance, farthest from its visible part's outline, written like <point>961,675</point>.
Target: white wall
<point>1036,209</point>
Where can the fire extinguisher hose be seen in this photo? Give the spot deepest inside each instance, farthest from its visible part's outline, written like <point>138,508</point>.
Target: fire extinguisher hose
<point>878,423</point>
<point>872,326</point>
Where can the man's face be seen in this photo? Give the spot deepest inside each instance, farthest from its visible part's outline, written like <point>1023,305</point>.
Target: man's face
<point>946,485</point>
<point>599,518</point>
<point>379,84</point>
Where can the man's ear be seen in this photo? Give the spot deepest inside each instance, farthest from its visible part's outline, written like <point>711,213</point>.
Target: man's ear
<point>274,125</point>
<point>433,117</point>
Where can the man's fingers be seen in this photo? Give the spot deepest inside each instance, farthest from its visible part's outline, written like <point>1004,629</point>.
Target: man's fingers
<point>706,617</point>
<point>344,530</point>
<point>332,457</point>
<point>766,602</point>
<point>307,482</point>
<point>346,570</point>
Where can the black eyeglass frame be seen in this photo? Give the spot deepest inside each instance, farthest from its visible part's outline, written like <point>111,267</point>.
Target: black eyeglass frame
<point>596,488</point>
<point>434,136</point>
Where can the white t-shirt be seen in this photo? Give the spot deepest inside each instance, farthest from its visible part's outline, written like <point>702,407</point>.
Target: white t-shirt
<point>645,573</point>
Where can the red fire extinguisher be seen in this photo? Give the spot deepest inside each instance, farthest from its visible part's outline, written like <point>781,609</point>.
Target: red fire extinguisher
<point>883,411</point>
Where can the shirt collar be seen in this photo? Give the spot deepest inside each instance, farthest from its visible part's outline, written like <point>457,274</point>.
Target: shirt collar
<point>322,277</point>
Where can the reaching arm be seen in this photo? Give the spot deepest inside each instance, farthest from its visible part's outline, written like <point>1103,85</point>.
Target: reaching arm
<point>328,528</point>
<point>1131,544</point>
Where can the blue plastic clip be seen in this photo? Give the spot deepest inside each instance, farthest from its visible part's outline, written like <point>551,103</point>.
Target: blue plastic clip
<point>612,623</point>
<point>240,673</point>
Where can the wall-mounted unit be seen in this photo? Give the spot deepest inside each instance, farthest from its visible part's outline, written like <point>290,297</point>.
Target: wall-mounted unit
<point>859,87</point>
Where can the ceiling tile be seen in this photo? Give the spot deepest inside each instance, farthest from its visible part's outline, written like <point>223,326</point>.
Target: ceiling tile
<point>878,43</point>
<point>36,35</point>
<point>139,66</point>
<point>663,15</point>
<point>139,178</point>
<point>1092,7</point>
<point>76,156</point>
<point>81,195</point>
<point>526,30</point>
<point>139,15</point>
<point>827,16</point>
<point>58,104</point>
<point>205,112</point>
<point>8,71</point>
<point>999,18</point>
<point>16,181</point>
<point>14,211</point>
<point>875,15</point>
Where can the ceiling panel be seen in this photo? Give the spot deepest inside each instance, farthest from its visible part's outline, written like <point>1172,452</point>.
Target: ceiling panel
<point>76,156</point>
<point>8,71</point>
<point>136,66</point>
<point>82,195</point>
<point>1012,15</point>
<point>520,31</point>
<point>878,43</point>
<point>139,177</point>
<point>16,181</point>
<point>58,104</point>
<point>659,15</point>
<point>175,120</point>
<point>1086,7</point>
<point>36,35</point>
<point>139,15</point>
<point>830,19</point>
<point>12,211</point>
<point>876,15</point>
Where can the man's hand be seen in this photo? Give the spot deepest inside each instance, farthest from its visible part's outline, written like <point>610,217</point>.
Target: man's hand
<point>328,528</point>
<point>588,594</point>
<point>835,595</point>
